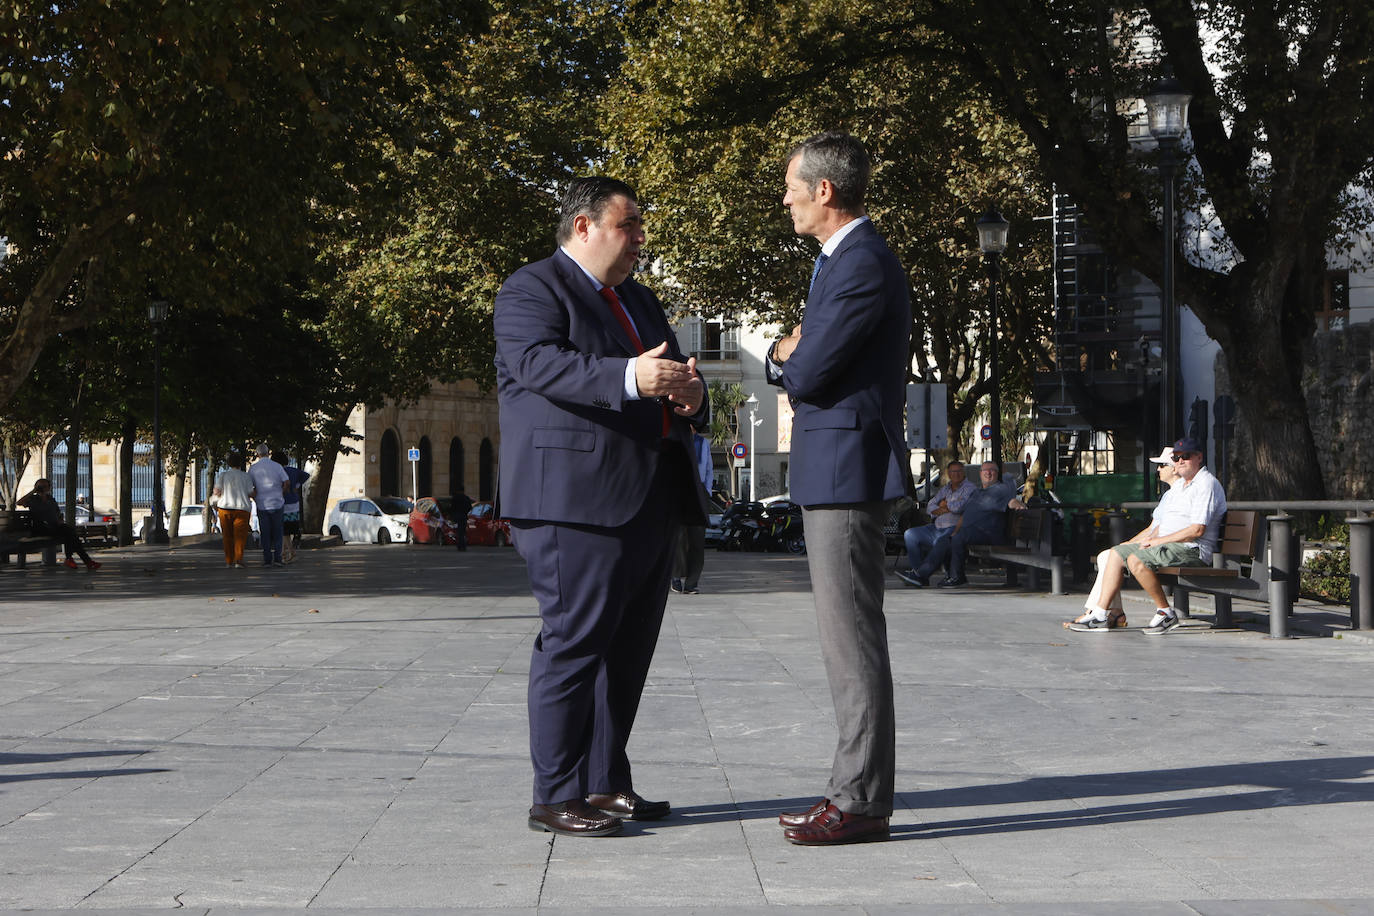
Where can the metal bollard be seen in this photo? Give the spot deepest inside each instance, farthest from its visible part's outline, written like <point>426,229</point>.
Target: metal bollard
<point>1116,526</point>
<point>1361,573</point>
<point>1081,545</point>
<point>1281,574</point>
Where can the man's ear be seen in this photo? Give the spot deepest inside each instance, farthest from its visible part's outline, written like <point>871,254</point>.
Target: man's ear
<point>825,191</point>
<point>580,224</point>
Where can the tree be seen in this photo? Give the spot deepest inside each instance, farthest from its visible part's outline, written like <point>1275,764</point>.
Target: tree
<point>184,146</point>
<point>1282,139</point>
<point>714,95</point>
<point>410,263</point>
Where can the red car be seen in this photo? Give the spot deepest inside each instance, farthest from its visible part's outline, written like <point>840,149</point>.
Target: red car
<point>486,531</point>
<point>429,524</point>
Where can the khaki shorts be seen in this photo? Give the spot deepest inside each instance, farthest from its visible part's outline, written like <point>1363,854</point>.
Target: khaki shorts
<point>1175,554</point>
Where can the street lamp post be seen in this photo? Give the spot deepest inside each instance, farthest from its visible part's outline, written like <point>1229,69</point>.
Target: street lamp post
<point>157,315</point>
<point>1166,106</point>
<point>992,239</point>
<point>753,404</point>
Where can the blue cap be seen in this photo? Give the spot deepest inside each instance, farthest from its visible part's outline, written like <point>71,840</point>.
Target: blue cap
<point>1187,444</point>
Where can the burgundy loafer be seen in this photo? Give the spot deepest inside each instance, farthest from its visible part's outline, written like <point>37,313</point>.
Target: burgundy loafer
<point>798,818</point>
<point>833,827</point>
<point>573,818</point>
<point>629,806</point>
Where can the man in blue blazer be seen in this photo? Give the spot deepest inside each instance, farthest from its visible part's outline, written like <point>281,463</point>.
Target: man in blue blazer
<point>844,368</point>
<point>595,402</point>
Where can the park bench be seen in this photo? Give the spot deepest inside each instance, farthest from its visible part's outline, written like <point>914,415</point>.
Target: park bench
<point>19,540</point>
<point>1030,543</point>
<point>1240,568</point>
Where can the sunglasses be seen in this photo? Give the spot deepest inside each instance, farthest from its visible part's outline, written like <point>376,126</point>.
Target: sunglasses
<point>1183,456</point>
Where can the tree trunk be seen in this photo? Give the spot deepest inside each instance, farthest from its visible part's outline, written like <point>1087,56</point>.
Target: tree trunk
<point>127,436</point>
<point>179,462</point>
<point>317,494</point>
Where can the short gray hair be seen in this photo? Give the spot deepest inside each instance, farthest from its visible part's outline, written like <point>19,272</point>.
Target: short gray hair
<point>262,450</point>
<point>840,159</point>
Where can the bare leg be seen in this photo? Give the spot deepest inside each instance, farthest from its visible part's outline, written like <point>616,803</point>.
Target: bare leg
<point>1148,581</point>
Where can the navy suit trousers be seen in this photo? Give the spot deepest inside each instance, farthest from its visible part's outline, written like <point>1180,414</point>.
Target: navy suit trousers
<point>601,594</point>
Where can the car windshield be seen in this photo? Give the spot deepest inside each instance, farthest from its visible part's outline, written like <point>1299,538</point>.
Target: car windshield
<point>394,505</point>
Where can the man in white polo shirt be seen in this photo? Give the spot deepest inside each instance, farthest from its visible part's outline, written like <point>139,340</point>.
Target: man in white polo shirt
<point>1184,533</point>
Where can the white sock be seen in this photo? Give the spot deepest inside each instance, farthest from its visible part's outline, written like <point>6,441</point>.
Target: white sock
<point>1166,611</point>
<point>1098,613</point>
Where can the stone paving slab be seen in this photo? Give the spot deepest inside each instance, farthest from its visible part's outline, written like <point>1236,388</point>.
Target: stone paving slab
<point>348,735</point>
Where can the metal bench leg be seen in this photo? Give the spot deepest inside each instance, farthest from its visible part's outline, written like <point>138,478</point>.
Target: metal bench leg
<point>1011,575</point>
<point>50,556</point>
<point>1034,577</point>
<point>1057,576</point>
<point>1181,600</point>
<point>1223,603</point>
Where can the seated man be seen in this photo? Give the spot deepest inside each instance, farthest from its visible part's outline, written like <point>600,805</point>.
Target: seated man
<point>945,507</point>
<point>1096,604</point>
<point>982,522</point>
<point>47,519</point>
<point>1184,533</point>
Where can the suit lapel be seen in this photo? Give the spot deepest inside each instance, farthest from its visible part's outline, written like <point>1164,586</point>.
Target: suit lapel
<point>583,293</point>
<point>862,231</point>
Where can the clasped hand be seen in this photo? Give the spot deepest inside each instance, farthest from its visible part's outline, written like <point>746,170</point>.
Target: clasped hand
<point>660,377</point>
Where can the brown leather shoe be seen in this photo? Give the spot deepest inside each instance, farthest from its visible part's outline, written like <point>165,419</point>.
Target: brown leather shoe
<point>833,827</point>
<point>629,806</point>
<point>573,818</point>
<point>798,818</point>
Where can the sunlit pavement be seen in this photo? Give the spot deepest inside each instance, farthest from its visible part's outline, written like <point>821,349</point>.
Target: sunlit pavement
<point>348,733</point>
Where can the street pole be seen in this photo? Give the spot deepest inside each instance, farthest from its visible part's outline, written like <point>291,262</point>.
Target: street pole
<point>753,403</point>
<point>995,274</point>
<point>1168,314</point>
<point>157,314</point>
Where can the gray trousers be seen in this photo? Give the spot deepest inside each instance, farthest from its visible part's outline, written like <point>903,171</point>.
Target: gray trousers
<point>844,547</point>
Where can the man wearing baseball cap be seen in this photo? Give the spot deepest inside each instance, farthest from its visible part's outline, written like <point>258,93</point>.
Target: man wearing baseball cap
<point>1184,532</point>
<point>1110,615</point>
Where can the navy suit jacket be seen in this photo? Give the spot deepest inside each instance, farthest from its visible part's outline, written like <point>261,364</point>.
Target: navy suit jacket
<point>574,448</point>
<point>847,377</point>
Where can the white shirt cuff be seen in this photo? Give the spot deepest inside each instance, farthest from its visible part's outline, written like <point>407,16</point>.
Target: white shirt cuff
<point>631,388</point>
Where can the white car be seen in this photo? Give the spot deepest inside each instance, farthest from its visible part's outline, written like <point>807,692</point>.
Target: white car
<point>192,522</point>
<point>378,521</point>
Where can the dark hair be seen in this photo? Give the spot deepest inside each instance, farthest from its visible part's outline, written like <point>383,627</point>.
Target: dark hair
<point>235,460</point>
<point>589,196</point>
<point>953,463</point>
<point>840,159</point>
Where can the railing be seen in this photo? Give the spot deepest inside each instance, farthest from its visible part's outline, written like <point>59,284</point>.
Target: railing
<point>1285,553</point>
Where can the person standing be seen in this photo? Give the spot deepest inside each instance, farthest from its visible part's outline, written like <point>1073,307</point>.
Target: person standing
<point>844,367</point>
<point>593,392</point>
<point>293,506</point>
<point>691,542</point>
<point>47,519</point>
<point>269,492</point>
<point>233,501</point>
<point>462,505</point>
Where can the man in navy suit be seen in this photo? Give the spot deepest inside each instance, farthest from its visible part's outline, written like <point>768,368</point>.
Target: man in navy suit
<point>845,367</point>
<point>595,478</point>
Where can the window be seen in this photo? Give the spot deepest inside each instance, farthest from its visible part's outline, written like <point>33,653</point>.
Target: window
<point>714,340</point>
<point>1334,314</point>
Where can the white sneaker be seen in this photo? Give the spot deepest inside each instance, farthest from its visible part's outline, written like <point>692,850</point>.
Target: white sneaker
<point>1161,623</point>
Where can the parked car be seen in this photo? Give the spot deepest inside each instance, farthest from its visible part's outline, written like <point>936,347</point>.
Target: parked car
<point>96,526</point>
<point>380,521</point>
<point>192,522</point>
<point>429,523</point>
<point>484,529</point>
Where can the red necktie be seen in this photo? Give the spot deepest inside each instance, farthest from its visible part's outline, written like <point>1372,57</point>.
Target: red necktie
<point>618,311</point>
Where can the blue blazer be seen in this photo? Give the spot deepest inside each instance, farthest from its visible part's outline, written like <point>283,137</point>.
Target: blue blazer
<point>574,448</point>
<point>847,377</point>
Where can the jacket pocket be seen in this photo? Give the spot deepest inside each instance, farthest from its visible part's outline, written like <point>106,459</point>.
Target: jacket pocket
<point>578,440</point>
<point>834,418</point>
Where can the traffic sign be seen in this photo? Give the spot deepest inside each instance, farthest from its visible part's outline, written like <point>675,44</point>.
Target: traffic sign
<point>739,450</point>
<point>986,432</point>
<point>413,455</point>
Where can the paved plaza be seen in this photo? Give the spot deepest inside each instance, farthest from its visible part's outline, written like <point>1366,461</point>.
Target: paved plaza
<point>348,734</point>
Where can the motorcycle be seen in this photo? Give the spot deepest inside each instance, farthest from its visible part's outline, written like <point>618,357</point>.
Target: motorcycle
<point>756,527</point>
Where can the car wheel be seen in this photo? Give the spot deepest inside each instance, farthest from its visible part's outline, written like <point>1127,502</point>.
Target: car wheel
<point>383,536</point>
<point>334,532</point>
<point>410,536</point>
<point>500,540</point>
